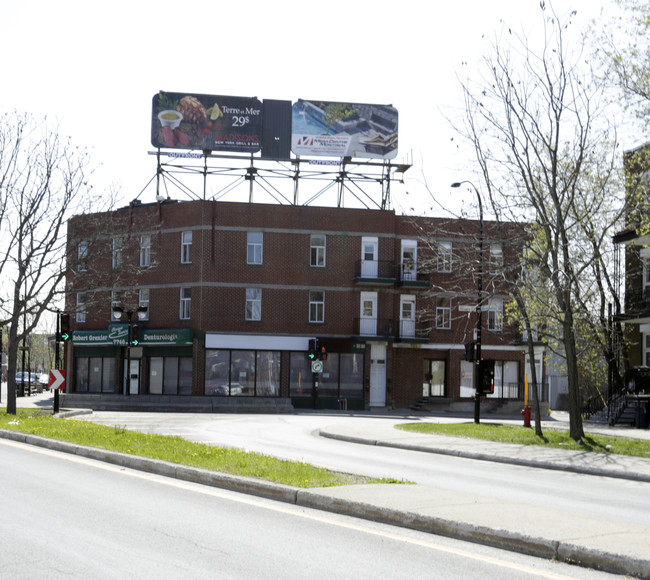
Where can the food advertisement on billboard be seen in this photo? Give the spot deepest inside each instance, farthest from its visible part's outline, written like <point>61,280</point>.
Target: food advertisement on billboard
<point>206,122</point>
<point>330,129</point>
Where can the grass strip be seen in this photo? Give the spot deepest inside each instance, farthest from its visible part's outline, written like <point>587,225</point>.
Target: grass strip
<point>180,451</point>
<point>506,433</point>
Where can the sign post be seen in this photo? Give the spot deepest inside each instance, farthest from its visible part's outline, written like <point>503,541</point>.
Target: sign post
<point>56,382</point>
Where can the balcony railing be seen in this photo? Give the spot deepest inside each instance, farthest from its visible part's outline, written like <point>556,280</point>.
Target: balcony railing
<point>387,328</point>
<point>387,272</point>
<point>374,270</point>
<point>516,392</point>
<point>637,301</point>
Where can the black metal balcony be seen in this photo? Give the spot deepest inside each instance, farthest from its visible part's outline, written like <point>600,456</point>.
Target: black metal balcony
<point>408,276</point>
<point>389,329</point>
<point>374,273</point>
<point>637,303</point>
<point>388,273</point>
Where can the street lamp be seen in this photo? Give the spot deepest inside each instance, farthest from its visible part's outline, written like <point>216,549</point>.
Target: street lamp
<point>117,314</point>
<point>479,309</point>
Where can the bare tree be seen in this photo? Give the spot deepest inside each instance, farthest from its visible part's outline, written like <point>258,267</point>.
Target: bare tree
<point>44,180</point>
<point>624,46</point>
<point>548,155</point>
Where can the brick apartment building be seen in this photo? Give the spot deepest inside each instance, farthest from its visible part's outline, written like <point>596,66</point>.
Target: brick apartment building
<point>225,297</point>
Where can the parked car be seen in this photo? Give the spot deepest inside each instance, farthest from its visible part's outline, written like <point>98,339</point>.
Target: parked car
<point>30,380</point>
<point>221,388</point>
<point>44,380</point>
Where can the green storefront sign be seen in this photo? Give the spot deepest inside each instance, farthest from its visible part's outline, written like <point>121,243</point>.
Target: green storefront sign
<point>118,335</point>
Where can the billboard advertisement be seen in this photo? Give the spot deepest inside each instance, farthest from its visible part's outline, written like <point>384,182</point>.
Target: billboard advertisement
<point>206,122</point>
<point>331,129</point>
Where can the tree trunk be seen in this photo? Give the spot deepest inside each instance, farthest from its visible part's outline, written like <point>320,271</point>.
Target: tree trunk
<point>12,357</point>
<point>575,401</point>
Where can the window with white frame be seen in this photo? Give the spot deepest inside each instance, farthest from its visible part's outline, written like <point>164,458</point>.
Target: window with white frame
<point>145,251</point>
<point>496,258</point>
<point>444,256</point>
<point>116,302</point>
<point>143,304</point>
<point>253,304</point>
<point>80,312</point>
<point>443,312</point>
<point>254,248</point>
<point>118,246</point>
<point>82,257</point>
<point>317,251</point>
<point>495,314</point>
<point>316,306</point>
<point>186,303</point>
<point>186,247</point>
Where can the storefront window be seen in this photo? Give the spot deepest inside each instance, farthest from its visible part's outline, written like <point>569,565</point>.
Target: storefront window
<point>242,373</point>
<point>351,375</point>
<point>238,373</point>
<point>342,376</point>
<point>95,375</point>
<point>170,375</point>
<point>185,375</point>
<point>268,374</point>
<point>329,378</point>
<point>81,375</point>
<point>301,376</point>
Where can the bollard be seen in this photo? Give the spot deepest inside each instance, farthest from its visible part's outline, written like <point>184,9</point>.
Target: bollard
<point>526,414</point>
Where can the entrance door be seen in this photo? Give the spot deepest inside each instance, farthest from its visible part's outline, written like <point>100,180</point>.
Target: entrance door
<point>407,316</point>
<point>378,375</point>
<point>409,260</point>
<point>133,378</point>
<point>434,379</point>
<point>369,264</point>
<point>368,314</point>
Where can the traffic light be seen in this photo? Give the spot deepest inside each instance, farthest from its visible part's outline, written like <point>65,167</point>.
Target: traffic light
<point>66,333</point>
<point>312,354</point>
<point>135,335</point>
<point>469,352</point>
<point>323,353</point>
<point>486,377</point>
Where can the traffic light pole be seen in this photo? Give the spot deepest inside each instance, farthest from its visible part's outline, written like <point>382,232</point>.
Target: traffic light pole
<point>57,360</point>
<point>128,356</point>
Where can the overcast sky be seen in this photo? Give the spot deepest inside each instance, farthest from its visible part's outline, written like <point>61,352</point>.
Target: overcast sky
<point>95,66</point>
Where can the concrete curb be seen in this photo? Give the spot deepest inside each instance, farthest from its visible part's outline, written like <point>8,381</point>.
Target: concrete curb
<point>325,499</point>
<point>493,458</point>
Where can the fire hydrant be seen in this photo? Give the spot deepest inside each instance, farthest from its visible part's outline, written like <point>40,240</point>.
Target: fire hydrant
<point>526,413</point>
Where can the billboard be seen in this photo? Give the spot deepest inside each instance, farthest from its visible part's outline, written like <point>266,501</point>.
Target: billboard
<point>331,129</point>
<point>206,122</point>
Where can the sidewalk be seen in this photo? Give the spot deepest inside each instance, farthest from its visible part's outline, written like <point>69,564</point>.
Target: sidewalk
<point>548,533</point>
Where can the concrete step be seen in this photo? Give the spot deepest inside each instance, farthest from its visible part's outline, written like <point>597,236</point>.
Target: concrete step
<point>176,404</point>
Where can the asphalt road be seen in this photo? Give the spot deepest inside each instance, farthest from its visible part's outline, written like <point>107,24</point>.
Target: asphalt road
<point>65,516</point>
<point>296,437</point>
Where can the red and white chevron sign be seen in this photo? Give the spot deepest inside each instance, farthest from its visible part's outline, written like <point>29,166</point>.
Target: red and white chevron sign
<point>57,379</point>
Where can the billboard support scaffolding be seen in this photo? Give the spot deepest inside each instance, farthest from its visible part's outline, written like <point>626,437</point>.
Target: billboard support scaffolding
<point>329,149</point>
<point>360,182</point>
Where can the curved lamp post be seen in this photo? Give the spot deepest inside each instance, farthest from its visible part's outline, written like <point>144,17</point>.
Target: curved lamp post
<point>479,308</point>
<point>117,313</point>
